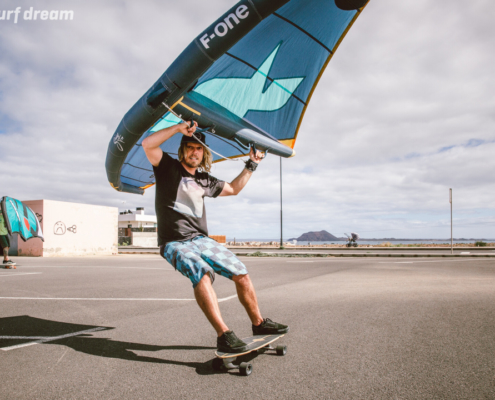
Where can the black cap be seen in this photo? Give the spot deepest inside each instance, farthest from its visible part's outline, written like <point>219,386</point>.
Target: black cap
<point>188,139</point>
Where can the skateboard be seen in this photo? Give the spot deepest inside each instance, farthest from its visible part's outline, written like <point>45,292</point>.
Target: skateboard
<point>256,344</point>
<point>9,266</point>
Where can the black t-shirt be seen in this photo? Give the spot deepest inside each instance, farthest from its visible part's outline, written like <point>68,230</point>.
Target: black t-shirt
<point>179,200</point>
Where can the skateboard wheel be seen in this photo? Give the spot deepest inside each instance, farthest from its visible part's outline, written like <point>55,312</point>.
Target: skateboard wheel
<point>217,364</point>
<point>281,350</point>
<point>245,369</point>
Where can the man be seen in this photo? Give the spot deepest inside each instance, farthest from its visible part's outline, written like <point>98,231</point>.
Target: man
<point>5,241</point>
<point>181,186</point>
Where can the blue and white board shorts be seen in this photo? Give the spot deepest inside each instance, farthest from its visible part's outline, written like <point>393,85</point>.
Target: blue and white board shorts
<point>195,258</point>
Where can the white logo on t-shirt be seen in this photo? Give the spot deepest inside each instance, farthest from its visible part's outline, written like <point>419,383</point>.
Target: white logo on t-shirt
<point>189,198</point>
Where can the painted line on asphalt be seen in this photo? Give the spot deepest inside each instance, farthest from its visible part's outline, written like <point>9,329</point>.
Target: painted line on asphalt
<point>105,299</point>
<point>433,261</point>
<point>91,266</point>
<point>228,298</point>
<point>25,337</point>
<point>50,339</point>
<point>26,273</point>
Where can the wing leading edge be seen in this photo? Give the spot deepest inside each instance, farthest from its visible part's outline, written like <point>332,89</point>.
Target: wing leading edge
<point>247,80</point>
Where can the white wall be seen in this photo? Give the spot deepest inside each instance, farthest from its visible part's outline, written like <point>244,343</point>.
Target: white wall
<point>73,229</point>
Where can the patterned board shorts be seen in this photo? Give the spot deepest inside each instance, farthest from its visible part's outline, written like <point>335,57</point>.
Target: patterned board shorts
<point>195,258</point>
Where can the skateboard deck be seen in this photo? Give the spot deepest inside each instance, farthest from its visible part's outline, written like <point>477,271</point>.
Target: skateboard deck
<point>9,266</point>
<point>258,343</point>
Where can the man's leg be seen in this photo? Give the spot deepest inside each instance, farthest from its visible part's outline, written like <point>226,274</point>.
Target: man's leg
<point>208,302</point>
<point>182,255</point>
<point>225,263</point>
<point>227,341</point>
<point>5,245</point>
<point>247,297</point>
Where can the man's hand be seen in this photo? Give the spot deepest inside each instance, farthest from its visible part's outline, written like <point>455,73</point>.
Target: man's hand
<point>256,157</point>
<point>151,145</point>
<point>186,129</point>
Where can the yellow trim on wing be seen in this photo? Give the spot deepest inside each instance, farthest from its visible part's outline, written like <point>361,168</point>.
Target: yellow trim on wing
<point>177,102</point>
<point>288,142</point>
<point>231,157</point>
<point>147,186</point>
<point>325,65</point>
<point>187,107</point>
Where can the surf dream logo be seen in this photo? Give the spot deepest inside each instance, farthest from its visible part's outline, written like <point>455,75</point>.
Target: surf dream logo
<point>222,28</point>
<point>32,15</point>
<point>240,95</point>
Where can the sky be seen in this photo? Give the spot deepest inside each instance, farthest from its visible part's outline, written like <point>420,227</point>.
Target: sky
<point>404,111</point>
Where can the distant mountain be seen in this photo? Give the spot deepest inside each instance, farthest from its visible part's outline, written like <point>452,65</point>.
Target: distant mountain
<point>322,236</point>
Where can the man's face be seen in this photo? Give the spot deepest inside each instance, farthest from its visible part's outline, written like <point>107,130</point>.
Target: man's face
<point>193,155</point>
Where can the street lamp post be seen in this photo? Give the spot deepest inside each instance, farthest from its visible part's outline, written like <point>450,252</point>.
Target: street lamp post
<point>451,229</point>
<point>281,220</point>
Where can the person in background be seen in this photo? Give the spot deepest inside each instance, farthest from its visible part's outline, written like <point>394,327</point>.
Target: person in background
<point>5,242</point>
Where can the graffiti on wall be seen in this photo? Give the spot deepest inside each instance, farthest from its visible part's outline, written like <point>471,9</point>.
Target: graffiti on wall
<point>61,229</point>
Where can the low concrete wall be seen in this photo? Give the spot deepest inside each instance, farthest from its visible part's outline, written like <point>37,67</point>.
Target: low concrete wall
<point>72,229</point>
<point>144,239</point>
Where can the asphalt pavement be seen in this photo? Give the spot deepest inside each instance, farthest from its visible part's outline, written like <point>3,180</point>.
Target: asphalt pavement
<point>128,327</point>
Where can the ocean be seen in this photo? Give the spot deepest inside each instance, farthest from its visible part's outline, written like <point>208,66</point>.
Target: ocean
<point>372,242</point>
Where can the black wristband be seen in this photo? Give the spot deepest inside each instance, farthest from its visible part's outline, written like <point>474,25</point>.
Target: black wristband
<point>251,165</point>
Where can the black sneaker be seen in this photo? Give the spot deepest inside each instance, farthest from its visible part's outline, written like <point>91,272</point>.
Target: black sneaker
<point>268,327</point>
<point>230,343</point>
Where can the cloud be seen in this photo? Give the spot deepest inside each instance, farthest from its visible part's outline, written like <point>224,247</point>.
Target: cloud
<point>403,112</point>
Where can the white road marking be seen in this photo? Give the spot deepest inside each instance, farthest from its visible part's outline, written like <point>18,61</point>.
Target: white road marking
<point>50,339</point>
<point>432,261</point>
<point>228,298</point>
<point>105,299</point>
<point>25,337</point>
<point>27,273</point>
<point>91,266</point>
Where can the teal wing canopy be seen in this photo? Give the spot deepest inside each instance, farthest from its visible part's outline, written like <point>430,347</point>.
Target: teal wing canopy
<point>268,77</point>
<point>263,83</point>
<point>20,219</point>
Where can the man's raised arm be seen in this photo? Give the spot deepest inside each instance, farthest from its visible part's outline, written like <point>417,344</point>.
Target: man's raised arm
<point>151,145</point>
<point>233,188</point>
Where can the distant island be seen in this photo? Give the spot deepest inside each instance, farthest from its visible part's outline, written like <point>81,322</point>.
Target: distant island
<point>321,236</point>
<point>324,236</point>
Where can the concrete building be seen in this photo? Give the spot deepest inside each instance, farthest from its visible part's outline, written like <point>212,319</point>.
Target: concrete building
<point>71,229</point>
<point>138,229</point>
<point>136,219</point>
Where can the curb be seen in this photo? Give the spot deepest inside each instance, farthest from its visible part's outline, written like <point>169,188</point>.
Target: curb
<point>328,255</point>
<point>343,249</point>
<point>266,255</point>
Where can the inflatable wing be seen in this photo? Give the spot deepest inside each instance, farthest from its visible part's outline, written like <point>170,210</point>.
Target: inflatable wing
<point>20,219</point>
<point>247,80</point>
